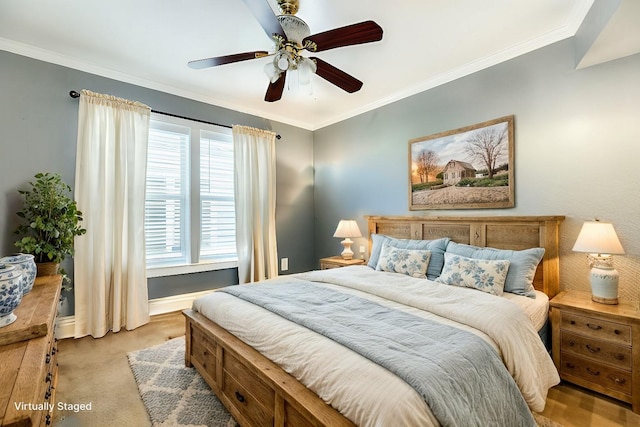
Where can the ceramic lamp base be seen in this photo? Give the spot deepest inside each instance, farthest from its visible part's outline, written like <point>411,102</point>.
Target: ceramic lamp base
<point>7,320</point>
<point>604,285</point>
<point>347,253</point>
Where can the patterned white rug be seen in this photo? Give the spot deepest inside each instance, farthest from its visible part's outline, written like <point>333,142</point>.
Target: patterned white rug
<point>173,394</point>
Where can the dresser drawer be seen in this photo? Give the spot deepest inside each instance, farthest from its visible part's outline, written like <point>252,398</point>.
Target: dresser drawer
<point>616,355</point>
<point>596,328</point>
<point>605,376</point>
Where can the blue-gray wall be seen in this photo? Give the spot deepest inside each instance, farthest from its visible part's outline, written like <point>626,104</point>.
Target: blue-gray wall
<point>577,147</point>
<point>38,130</point>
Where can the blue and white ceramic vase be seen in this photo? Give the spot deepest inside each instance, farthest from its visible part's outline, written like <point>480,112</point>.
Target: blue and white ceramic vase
<point>10,293</point>
<point>27,264</point>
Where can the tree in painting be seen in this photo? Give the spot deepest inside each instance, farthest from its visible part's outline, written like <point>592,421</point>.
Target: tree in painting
<point>487,145</point>
<point>426,164</point>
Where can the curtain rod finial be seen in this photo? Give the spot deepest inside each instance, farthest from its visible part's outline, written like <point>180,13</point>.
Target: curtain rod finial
<point>74,94</point>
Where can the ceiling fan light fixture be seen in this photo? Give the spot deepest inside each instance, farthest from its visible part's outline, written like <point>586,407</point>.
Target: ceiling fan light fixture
<point>306,68</point>
<point>272,72</point>
<point>282,61</point>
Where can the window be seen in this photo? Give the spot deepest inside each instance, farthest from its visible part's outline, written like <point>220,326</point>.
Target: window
<point>189,207</point>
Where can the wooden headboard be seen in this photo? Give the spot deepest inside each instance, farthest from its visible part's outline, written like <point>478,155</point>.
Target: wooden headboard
<point>501,232</point>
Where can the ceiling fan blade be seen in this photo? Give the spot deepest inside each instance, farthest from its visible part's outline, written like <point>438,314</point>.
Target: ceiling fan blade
<point>265,16</point>
<point>274,91</point>
<point>336,76</point>
<point>364,32</point>
<point>227,59</point>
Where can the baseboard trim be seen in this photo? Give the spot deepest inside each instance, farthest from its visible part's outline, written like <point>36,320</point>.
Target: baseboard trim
<point>66,325</point>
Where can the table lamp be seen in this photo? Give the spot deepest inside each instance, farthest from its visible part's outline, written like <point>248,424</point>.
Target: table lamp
<point>600,241</point>
<point>347,228</point>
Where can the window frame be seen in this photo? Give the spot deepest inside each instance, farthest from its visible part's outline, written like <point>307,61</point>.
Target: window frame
<point>192,217</point>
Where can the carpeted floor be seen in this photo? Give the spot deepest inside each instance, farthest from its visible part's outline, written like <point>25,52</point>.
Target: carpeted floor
<point>173,394</point>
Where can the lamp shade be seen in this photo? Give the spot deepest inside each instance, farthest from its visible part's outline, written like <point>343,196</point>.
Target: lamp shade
<point>598,238</point>
<point>347,228</point>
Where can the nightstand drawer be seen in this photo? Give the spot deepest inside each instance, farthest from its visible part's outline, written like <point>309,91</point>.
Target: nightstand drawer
<point>605,376</point>
<point>596,328</point>
<point>616,355</point>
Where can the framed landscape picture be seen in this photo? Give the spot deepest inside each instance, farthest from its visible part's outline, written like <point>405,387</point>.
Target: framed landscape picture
<point>466,168</point>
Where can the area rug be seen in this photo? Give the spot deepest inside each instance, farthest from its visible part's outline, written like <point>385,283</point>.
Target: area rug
<point>173,394</point>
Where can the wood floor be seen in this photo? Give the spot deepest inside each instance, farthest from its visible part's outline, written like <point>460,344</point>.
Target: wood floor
<point>96,371</point>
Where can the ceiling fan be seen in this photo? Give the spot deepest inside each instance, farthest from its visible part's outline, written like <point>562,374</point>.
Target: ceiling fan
<point>292,36</point>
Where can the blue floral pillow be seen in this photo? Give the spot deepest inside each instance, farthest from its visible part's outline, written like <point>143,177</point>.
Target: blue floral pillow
<point>411,262</point>
<point>436,247</point>
<point>485,275</point>
<point>522,269</point>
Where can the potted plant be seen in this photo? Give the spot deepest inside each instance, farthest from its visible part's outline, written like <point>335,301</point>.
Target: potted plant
<point>51,221</point>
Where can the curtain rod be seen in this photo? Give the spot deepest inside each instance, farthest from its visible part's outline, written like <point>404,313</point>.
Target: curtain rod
<point>75,94</point>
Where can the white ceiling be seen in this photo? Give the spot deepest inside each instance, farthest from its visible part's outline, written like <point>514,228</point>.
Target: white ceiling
<point>149,42</point>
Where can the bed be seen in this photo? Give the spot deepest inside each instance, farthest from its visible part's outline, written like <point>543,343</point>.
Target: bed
<point>267,370</point>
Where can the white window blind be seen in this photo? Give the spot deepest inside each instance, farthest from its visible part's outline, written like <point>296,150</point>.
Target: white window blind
<point>166,199</point>
<point>217,209</point>
<point>189,211</point>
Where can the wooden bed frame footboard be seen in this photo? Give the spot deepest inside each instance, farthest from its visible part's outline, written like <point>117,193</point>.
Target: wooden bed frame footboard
<point>259,393</point>
<point>256,391</point>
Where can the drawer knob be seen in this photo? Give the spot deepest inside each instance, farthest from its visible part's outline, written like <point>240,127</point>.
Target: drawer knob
<point>572,322</point>
<point>48,378</point>
<point>240,397</point>
<point>570,365</point>
<point>617,332</point>
<point>572,343</point>
<point>592,372</point>
<point>594,327</point>
<point>619,381</point>
<point>618,356</point>
<point>592,349</point>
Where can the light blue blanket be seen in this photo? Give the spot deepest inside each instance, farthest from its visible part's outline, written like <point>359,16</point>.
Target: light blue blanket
<point>460,376</point>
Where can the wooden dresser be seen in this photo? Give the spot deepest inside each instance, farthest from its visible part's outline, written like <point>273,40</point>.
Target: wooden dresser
<point>597,346</point>
<point>28,367</point>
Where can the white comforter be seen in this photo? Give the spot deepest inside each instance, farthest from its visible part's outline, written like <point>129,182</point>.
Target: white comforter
<point>362,391</point>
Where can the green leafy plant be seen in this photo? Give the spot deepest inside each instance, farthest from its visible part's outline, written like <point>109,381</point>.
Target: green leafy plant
<point>51,219</point>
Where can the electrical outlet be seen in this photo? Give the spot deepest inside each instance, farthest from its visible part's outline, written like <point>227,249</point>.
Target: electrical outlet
<point>284,264</point>
<point>361,249</point>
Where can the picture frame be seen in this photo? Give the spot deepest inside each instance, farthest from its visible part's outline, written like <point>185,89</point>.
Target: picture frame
<point>466,168</point>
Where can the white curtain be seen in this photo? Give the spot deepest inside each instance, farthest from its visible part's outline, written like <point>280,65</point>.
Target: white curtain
<point>110,279</point>
<point>255,198</point>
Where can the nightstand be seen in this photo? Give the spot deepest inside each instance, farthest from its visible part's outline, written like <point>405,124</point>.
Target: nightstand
<point>597,346</point>
<point>338,261</point>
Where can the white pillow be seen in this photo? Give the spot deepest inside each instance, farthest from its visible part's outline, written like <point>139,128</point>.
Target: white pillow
<point>412,262</point>
<point>485,275</point>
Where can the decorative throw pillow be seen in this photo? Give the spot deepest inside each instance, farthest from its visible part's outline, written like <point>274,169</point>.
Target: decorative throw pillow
<point>411,262</point>
<point>436,247</point>
<point>521,270</point>
<point>485,275</point>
